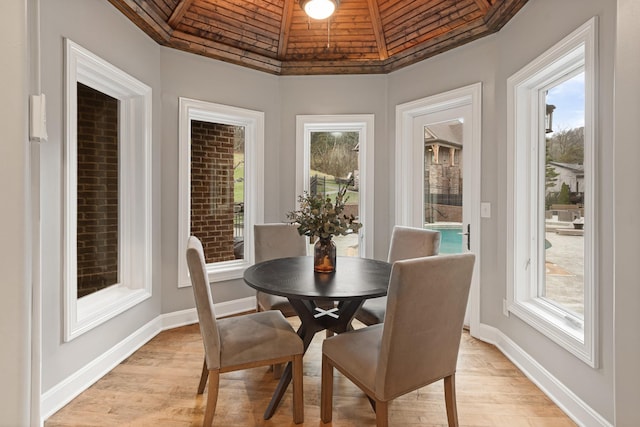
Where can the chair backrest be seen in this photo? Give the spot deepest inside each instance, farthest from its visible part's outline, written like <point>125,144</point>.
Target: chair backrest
<point>426,303</point>
<point>410,242</point>
<point>278,240</point>
<point>204,302</point>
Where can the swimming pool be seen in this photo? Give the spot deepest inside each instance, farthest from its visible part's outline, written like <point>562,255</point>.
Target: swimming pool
<point>450,237</point>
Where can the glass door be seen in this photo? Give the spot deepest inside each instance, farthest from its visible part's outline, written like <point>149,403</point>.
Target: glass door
<point>441,136</point>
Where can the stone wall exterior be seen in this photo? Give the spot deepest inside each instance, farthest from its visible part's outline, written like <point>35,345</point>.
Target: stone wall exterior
<point>443,186</point>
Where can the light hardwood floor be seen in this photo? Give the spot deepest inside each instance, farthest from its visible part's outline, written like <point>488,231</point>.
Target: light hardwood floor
<point>157,385</point>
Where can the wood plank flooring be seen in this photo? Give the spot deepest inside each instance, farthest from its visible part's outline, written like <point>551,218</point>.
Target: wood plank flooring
<point>157,385</point>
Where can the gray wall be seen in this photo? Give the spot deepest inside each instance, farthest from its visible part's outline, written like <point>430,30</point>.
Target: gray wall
<point>15,263</point>
<point>100,28</point>
<point>627,205</point>
<point>490,60</point>
<point>553,20</point>
<point>338,95</point>
<point>281,99</point>
<point>195,77</point>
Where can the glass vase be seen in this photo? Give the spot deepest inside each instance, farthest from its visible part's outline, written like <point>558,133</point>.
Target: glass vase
<point>324,256</point>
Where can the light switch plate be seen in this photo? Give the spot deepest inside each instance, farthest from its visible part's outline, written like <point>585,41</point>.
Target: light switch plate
<point>485,210</point>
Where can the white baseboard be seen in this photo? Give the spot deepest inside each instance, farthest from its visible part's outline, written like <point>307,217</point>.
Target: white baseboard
<point>562,396</point>
<point>63,392</point>
<point>66,390</point>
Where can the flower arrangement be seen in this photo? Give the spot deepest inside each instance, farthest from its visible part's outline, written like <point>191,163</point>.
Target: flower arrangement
<point>320,217</point>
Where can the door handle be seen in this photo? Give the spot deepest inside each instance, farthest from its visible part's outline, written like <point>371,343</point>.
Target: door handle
<point>468,234</point>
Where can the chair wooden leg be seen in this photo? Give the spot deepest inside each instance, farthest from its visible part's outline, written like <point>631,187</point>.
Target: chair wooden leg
<point>298,395</point>
<point>277,370</point>
<point>382,413</point>
<point>326,393</point>
<point>212,397</point>
<point>450,400</point>
<point>203,377</point>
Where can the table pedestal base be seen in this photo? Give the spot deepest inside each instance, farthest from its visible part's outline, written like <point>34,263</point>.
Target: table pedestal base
<point>314,319</point>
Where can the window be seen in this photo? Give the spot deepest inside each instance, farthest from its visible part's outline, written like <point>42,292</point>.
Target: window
<point>221,168</point>
<point>551,180</point>
<point>107,191</point>
<point>334,151</point>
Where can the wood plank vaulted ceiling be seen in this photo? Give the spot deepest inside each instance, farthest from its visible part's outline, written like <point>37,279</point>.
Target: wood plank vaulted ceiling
<point>277,37</point>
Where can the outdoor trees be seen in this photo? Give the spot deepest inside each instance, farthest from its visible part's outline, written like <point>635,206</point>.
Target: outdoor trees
<point>333,153</point>
<point>565,146</point>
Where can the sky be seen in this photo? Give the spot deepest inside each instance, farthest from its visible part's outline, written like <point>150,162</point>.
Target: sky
<point>568,97</point>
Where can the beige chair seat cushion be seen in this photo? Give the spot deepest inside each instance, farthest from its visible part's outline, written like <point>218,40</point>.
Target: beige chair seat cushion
<point>372,311</point>
<point>239,335</point>
<point>357,353</point>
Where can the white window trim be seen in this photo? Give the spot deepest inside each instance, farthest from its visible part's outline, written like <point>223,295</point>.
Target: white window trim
<point>525,103</point>
<point>135,286</point>
<point>362,123</point>
<point>253,122</point>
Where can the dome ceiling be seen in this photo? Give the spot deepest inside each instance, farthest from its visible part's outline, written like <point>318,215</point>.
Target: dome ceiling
<point>277,37</point>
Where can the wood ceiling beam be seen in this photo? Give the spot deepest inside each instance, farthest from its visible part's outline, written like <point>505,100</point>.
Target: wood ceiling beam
<point>501,12</point>
<point>178,13</point>
<point>285,27</point>
<point>234,55</point>
<point>376,23</point>
<point>146,17</point>
<point>436,45</point>
<point>483,5</point>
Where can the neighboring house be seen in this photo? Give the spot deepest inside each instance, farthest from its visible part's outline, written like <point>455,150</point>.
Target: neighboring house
<point>443,181</point>
<point>570,174</point>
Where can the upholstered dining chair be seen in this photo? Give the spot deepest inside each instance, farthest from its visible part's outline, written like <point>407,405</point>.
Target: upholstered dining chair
<point>279,240</point>
<point>271,241</point>
<point>240,342</point>
<point>418,342</point>
<point>406,242</point>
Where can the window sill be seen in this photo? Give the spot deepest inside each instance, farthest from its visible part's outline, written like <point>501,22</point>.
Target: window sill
<point>561,327</point>
<point>222,271</point>
<point>97,308</point>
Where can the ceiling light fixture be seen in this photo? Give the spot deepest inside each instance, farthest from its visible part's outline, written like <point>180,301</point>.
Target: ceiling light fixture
<point>319,9</point>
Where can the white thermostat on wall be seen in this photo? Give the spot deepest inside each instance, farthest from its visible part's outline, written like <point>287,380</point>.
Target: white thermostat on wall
<point>38,118</point>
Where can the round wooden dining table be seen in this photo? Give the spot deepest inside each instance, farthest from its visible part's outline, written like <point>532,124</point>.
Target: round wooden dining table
<point>354,281</point>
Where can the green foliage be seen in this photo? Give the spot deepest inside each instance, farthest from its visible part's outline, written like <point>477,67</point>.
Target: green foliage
<point>550,174</point>
<point>321,217</point>
<point>550,199</point>
<point>238,177</point>
<point>563,196</point>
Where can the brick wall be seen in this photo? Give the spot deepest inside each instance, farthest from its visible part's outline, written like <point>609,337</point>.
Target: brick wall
<point>97,191</point>
<point>212,188</point>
